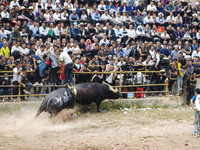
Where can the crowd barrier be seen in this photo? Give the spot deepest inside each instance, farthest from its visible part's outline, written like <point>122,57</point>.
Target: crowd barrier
<point>120,86</point>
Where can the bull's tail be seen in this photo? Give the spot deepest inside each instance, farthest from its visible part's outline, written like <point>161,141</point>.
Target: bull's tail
<point>41,109</point>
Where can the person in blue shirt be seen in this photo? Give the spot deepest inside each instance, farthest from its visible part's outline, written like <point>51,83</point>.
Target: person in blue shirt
<point>165,50</point>
<point>132,9</point>
<point>123,7</point>
<point>160,8</point>
<point>196,100</point>
<point>96,17</point>
<point>138,19</point>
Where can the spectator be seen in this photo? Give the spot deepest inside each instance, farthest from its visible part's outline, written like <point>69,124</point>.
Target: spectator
<point>67,61</point>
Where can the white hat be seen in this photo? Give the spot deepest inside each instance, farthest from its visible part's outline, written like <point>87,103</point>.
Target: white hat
<point>74,9</point>
<point>196,3</point>
<point>194,15</point>
<point>124,1</point>
<point>97,24</point>
<point>160,14</point>
<point>162,70</point>
<point>189,4</point>
<point>187,56</point>
<point>118,40</point>
<point>22,7</point>
<point>31,7</point>
<point>139,73</point>
<point>57,1</point>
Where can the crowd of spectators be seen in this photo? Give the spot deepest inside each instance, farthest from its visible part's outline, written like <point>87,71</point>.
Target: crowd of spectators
<point>99,36</point>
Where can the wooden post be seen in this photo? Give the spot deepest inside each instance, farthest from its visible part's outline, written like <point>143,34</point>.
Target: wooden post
<point>19,93</point>
<point>166,88</point>
<point>74,78</point>
<point>120,81</point>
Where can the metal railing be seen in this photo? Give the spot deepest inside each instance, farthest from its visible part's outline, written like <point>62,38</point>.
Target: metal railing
<point>120,86</point>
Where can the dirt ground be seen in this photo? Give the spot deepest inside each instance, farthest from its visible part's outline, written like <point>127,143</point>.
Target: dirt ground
<point>149,129</point>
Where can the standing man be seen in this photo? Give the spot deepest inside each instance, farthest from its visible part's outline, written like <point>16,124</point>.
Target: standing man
<point>16,72</point>
<point>196,100</point>
<point>66,60</point>
<point>191,87</point>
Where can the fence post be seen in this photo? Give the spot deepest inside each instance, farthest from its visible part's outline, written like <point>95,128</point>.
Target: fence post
<point>74,78</point>
<point>120,81</point>
<point>167,88</point>
<point>145,69</point>
<point>19,93</point>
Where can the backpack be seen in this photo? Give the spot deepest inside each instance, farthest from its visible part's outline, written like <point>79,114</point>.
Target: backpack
<point>197,102</point>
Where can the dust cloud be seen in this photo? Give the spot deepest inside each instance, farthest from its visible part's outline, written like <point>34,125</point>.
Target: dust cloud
<point>23,124</point>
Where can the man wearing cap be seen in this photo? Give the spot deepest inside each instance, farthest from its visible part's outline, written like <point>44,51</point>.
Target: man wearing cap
<point>66,60</point>
<point>124,7</point>
<point>73,16</point>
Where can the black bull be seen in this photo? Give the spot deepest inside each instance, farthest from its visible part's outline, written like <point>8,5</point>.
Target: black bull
<point>83,94</point>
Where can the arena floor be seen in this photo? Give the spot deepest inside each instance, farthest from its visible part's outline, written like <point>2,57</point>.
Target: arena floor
<point>161,128</point>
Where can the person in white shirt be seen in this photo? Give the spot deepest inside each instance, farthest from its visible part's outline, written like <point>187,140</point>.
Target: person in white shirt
<point>5,16</point>
<point>165,36</point>
<point>14,3</point>
<point>34,29</point>
<point>67,48</point>
<point>47,16</point>
<point>40,4</point>
<point>66,61</point>
<point>124,35</point>
<point>118,32</point>
<point>126,51</point>
<point>140,32</point>
<point>4,33</point>
<point>40,52</point>
<point>151,7</point>
<point>16,72</point>
<point>148,19</point>
<point>196,53</point>
<point>106,16</point>
<point>24,51</point>
<point>171,19</point>
<point>121,62</point>
<point>178,20</point>
<point>43,31</point>
<point>101,7</point>
<point>56,15</point>
<point>131,34</point>
<point>152,52</point>
<point>104,40</point>
<point>119,19</point>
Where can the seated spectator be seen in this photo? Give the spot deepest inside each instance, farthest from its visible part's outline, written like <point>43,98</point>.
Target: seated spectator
<point>123,8</point>
<point>160,8</point>
<point>151,7</point>
<point>169,8</point>
<point>196,53</point>
<point>5,51</point>
<point>6,81</point>
<point>101,7</point>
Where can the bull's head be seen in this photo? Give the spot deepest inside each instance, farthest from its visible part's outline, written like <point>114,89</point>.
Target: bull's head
<point>111,88</point>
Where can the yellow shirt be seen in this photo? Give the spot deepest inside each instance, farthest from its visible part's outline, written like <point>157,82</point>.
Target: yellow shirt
<point>5,52</point>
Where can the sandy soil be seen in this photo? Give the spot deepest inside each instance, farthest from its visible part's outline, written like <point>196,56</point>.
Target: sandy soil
<point>149,129</point>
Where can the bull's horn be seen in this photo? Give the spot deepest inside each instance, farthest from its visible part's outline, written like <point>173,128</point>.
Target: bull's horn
<point>110,87</point>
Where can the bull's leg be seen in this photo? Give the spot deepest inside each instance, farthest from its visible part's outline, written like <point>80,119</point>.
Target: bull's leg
<point>98,106</point>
